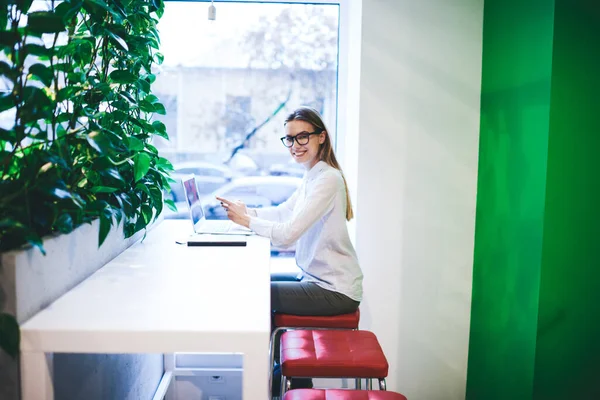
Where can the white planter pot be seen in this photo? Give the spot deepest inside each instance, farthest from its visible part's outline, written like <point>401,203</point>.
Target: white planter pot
<point>30,281</point>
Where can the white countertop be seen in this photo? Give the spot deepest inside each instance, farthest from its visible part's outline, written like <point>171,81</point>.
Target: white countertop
<point>164,297</point>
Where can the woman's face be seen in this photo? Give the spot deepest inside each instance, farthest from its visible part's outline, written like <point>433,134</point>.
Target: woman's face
<point>306,154</point>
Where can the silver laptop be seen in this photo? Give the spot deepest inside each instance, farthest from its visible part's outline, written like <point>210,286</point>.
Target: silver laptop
<point>201,224</point>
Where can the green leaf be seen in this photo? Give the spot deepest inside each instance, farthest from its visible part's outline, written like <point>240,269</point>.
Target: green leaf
<point>37,50</point>
<point>147,213</point>
<point>64,223</point>
<point>105,224</point>
<point>122,105</point>
<point>68,9</point>
<point>139,224</point>
<point>6,70</point>
<point>142,187</point>
<point>63,117</point>
<point>35,98</point>
<point>103,87</point>
<point>154,32</point>
<point>103,189</point>
<point>119,40</point>
<point>64,67</point>
<point>153,43</point>
<point>11,223</point>
<point>143,85</point>
<point>119,213</point>
<point>7,102</point>
<point>67,93</point>
<point>23,5</point>
<point>9,38</point>
<point>158,4</point>
<point>61,193</point>
<point>43,73</point>
<point>85,51</point>
<point>161,10</point>
<point>99,141</point>
<point>159,126</point>
<point>8,135</point>
<point>160,109</point>
<point>146,127</point>
<point>3,19</point>
<point>122,76</point>
<point>136,144</point>
<point>127,96</point>
<point>146,106</point>
<point>119,116</point>
<point>141,166</point>
<point>76,77</point>
<point>152,99</point>
<point>160,129</point>
<point>10,335</point>
<point>157,198</point>
<point>35,241</point>
<point>115,11</point>
<point>164,164</point>
<point>171,204</point>
<point>44,22</point>
<point>159,58</point>
<point>151,149</point>
<point>114,174</point>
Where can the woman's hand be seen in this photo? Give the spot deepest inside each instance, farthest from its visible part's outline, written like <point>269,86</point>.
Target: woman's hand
<point>236,211</point>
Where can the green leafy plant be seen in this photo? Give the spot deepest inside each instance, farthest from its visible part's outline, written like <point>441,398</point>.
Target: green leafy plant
<point>10,335</point>
<point>77,77</point>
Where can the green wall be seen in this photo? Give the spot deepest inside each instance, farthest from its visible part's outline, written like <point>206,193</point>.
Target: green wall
<point>535,320</point>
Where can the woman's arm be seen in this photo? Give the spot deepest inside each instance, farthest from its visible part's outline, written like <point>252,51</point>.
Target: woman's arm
<point>280,213</point>
<point>319,202</point>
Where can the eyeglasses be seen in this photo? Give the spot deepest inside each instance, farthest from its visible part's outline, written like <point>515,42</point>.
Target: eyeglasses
<point>301,138</point>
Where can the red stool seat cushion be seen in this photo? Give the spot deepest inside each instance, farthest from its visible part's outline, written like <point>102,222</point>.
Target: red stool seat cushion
<point>343,321</point>
<point>333,354</point>
<point>339,394</point>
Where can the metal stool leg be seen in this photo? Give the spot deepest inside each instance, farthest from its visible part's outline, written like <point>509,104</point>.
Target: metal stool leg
<point>382,384</point>
<point>286,384</point>
<point>272,359</point>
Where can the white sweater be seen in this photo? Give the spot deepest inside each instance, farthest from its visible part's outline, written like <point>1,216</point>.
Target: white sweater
<point>314,218</point>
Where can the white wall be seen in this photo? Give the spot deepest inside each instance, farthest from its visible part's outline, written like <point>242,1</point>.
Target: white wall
<point>415,184</point>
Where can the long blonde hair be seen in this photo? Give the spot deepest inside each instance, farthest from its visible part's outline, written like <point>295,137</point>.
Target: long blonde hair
<point>326,153</point>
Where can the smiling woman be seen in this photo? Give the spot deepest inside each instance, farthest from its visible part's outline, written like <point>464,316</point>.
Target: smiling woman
<point>314,220</point>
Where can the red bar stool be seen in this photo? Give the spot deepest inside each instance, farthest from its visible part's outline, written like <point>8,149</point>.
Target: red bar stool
<point>342,321</point>
<point>329,394</point>
<point>288,322</point>
<point>332,354</point>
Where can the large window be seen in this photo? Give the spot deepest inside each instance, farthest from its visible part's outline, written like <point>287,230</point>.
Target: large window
<point>221,79</point>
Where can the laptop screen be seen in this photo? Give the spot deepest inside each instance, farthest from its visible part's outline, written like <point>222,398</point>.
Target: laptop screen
<point>190,190</point>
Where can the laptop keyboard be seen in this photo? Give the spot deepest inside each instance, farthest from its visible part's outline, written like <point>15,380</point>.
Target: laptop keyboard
<point>219,227</point>
<point>215,226</point>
